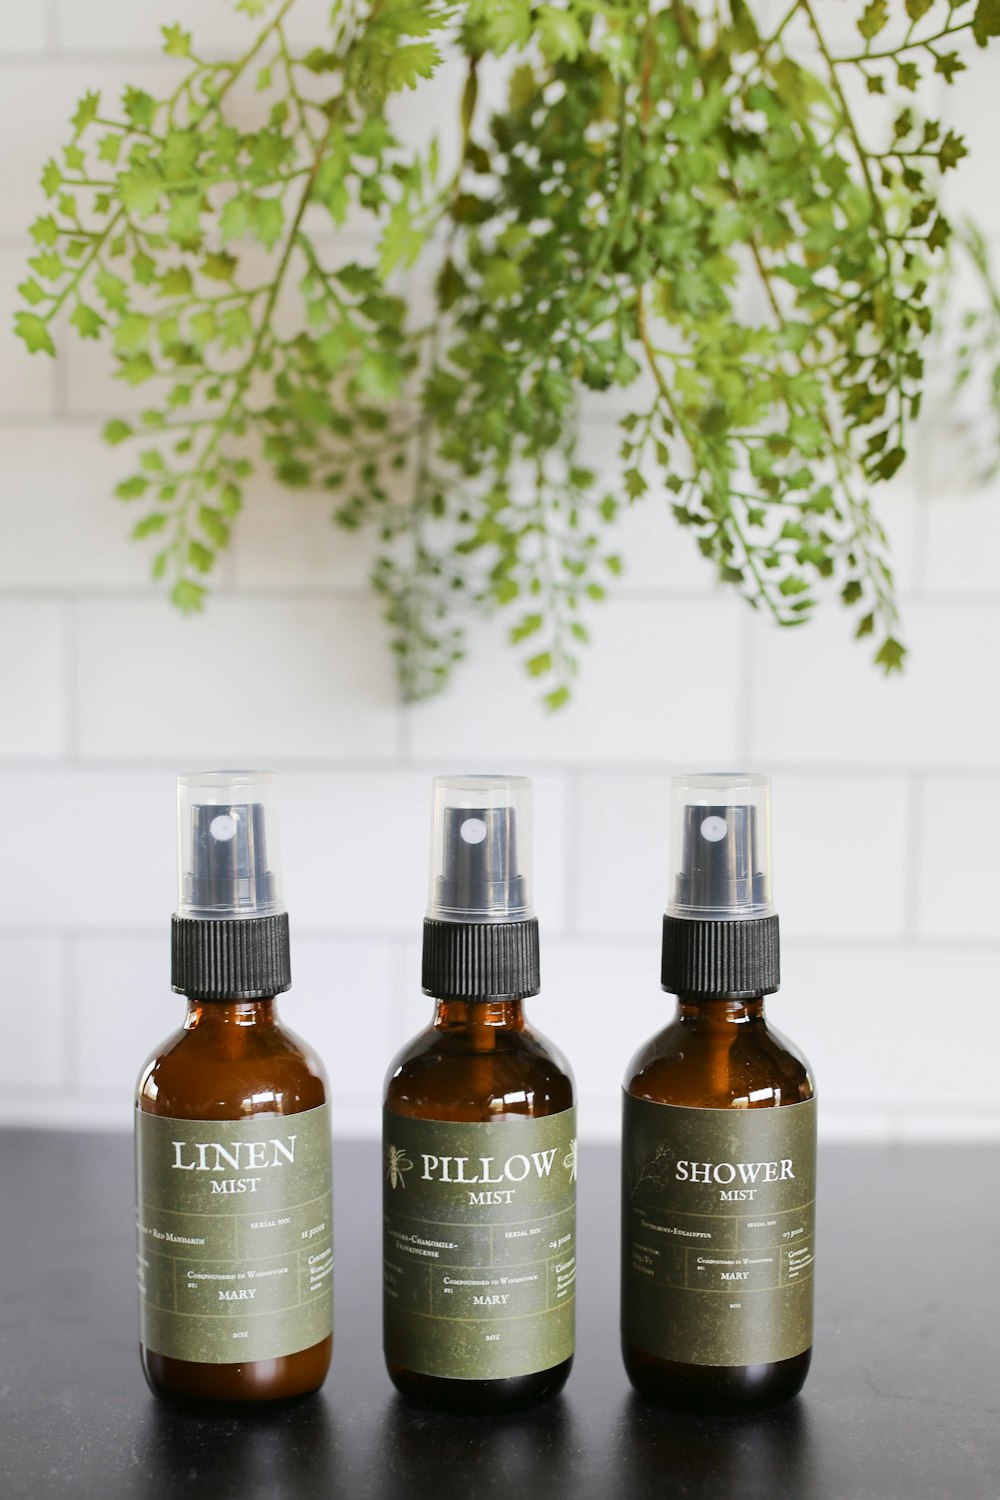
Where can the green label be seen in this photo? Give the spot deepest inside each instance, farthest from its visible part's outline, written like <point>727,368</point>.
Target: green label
<point>235,1235</point>
<point>479,1269</point>
<point>718,1209</point>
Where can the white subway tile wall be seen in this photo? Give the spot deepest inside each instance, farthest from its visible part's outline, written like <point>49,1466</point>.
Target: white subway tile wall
<point>887,794</point>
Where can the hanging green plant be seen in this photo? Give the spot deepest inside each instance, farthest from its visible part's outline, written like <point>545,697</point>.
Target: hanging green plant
<point>652,163</point>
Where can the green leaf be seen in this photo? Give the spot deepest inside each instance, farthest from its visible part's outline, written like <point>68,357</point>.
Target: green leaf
<point>176,41</point>
<point>34,331</point>
<point>175,282</point>
<point>149,525</point>
<point>112,290</point>
<point>538,665</point>
<point>235,327</point>
<point>32,292</point>
<point>402,241</point>
<point>116,431</point>
<point>48,265</point>
<point>559,34</point>
<point>379,376</point>
<point>86,321</point>
<point>52,178</point>
<point>235,220</point>
<point>874,19</point>
<point>135,369</point>
<point>635,484</point>
<point>140,107</point>
<point>184,220</point>
<point>267,220</point>
<point>948,64</point>
<point>87,110</point>
<point>951,151</point>
<point>218,266</point>
<point>200,557</point>
<point>140,189</point>
<point>188,596</point>
<point>109,147</point>
<point>143,268</point>
<point>132,335</point>
<point>409,64</point>
<point>45,231</point>
<point>986,21</point>
<point>501,279</point>
<point>230,500</point>
<point>529,625</point>
<point>890,655</point>
<point>335,347</point>
<point>213,525</point>
<point>132,488</point>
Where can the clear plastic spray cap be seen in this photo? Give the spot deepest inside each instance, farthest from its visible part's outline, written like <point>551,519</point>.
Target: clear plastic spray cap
<point>228,834</point>
<point>481,849</point>
<point>721,865</point>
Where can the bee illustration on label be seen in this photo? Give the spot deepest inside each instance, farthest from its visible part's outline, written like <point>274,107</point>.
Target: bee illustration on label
<point>397,1163</point>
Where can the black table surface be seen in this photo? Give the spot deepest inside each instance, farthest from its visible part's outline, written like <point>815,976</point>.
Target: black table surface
<point>903,1399</point>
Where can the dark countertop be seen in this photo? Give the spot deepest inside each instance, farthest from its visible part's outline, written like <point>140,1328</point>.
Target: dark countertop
<point>902,1403</point>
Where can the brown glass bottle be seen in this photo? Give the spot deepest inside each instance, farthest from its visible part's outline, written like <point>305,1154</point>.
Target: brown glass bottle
<point>479,1062</point>
<point>718,1054</point>
<point>232,1060</point>
<point>719,1137</point>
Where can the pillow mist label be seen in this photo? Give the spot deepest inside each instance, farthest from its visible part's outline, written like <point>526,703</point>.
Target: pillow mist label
<point>479,1245</point>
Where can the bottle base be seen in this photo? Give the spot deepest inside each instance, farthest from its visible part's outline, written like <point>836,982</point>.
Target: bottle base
<point>715,1388</point>
<point>262,1380</point>
<point>480,1397</point>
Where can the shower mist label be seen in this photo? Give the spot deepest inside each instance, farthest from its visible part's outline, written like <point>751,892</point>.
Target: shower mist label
<point>718,1231</point>
<point>235,1235</point>
<point>479,1267</point>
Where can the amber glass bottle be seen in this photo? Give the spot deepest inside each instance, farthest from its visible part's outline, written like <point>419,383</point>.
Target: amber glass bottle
<point>480,1136</point>
<point>719,1134</point>
<point>232,1132</point>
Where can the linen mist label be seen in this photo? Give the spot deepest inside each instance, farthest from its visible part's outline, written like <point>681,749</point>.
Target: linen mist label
<point>480,1245</point>
<point>718,1232</point>
<point>235,1241</point>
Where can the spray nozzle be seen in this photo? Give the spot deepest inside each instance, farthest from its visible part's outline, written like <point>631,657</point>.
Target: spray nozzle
<point>228,837</point>
<point>722,847</point>
<point>481,849</point>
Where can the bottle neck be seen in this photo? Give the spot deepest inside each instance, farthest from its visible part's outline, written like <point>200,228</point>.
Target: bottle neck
<point>228,1016</point>
<point>719,1015</point>
<point>479,1017</point>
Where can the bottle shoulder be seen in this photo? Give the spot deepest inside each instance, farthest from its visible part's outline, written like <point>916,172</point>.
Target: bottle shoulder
<point>753,1065</point>
<point>198,1074</point>
<point>439,1075</point>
